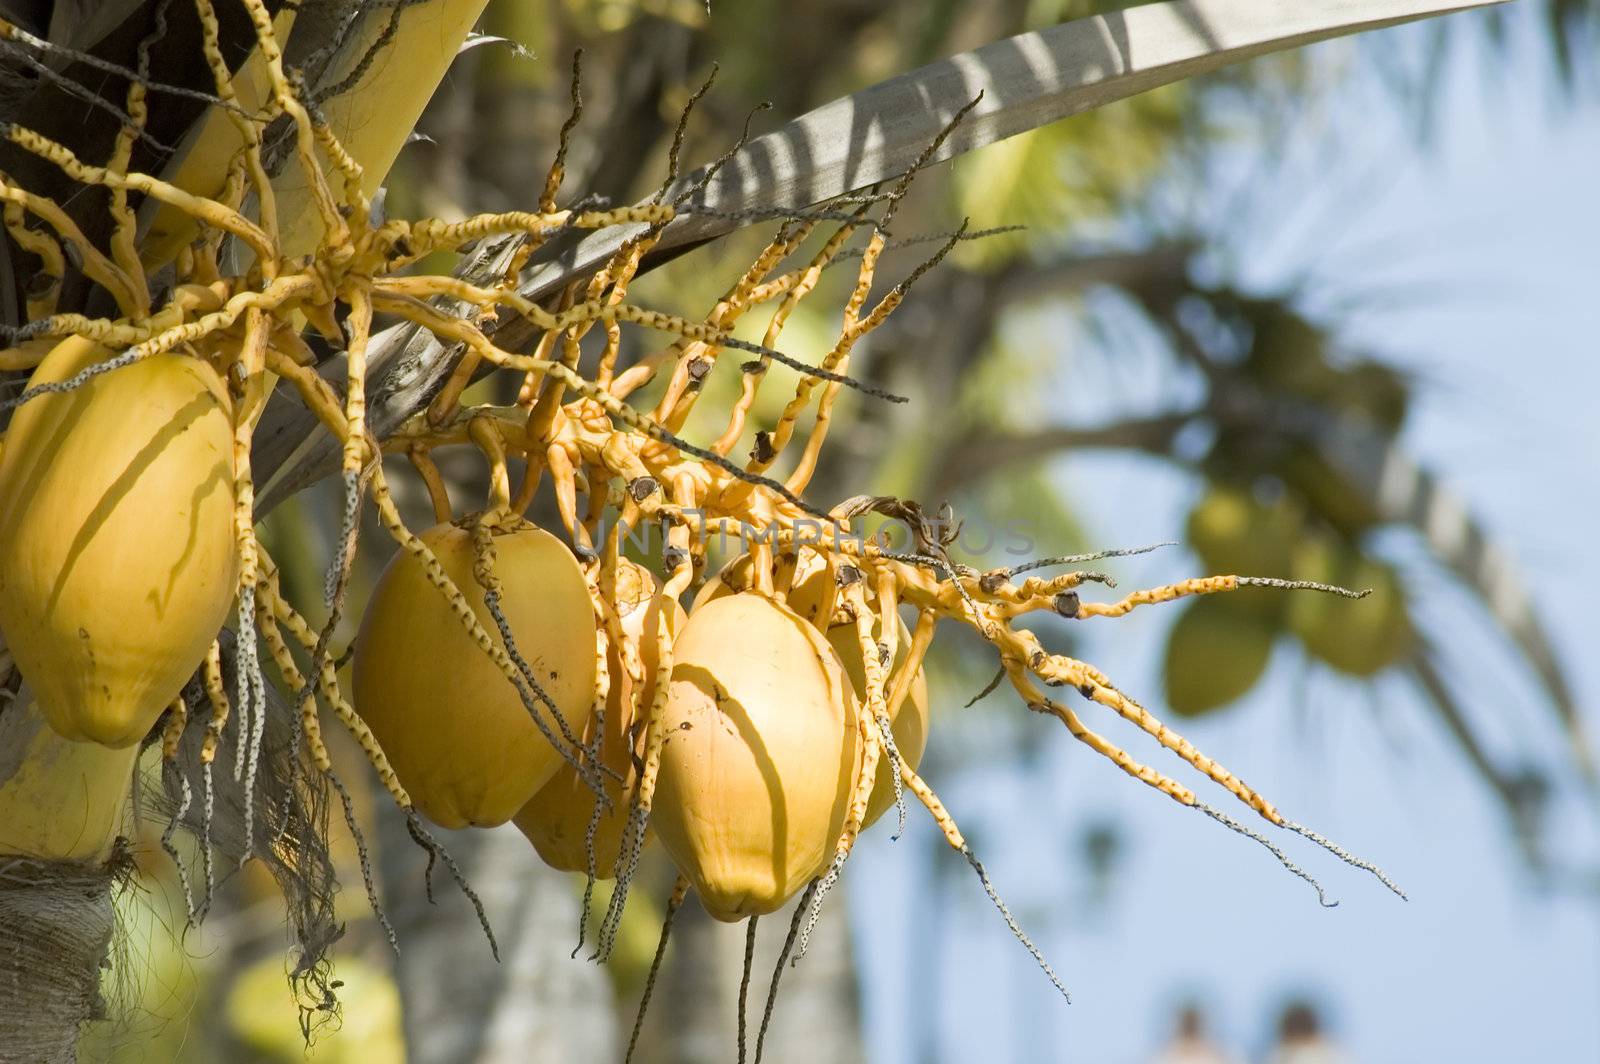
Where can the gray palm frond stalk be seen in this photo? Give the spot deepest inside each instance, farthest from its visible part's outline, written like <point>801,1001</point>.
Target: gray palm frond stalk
<point>1404,492</point>
<point>1521,790</point>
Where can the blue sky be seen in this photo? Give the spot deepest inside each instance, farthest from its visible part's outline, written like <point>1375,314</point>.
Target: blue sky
<point>1486,235</point>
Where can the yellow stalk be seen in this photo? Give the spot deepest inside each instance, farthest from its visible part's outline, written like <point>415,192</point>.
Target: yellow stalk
<point>371,119</point>
<point>202,162</point>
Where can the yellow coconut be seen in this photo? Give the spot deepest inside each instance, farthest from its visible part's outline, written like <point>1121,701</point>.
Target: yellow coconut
<point>117,562</point>
<point>805,573</point>
<point>455,729</point>
<point>1234,533</point>
<point>760,746</point>
<point>59,799</point>
<point>1359,638</point>
<point>557,819</point>
<point>908,723</point>
<point>1215,655</point>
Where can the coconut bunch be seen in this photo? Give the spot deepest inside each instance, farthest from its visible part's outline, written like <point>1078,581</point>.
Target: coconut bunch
<point>503,671</point>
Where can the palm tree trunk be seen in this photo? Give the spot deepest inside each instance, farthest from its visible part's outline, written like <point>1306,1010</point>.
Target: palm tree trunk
<point>459,1006</point>
<point>56,912</point>
<point>56,920</point>
<point>695,1019</point>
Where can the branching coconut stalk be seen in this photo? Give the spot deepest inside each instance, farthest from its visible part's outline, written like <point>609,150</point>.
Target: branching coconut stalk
<point>487,680</point>
<point>1026,81</point>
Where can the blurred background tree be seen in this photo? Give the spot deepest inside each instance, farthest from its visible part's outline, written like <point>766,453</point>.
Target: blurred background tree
<point>1291,433</point>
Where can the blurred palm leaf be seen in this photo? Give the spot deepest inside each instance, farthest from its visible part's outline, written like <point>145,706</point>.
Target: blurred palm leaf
<point>1325,427</point>
<point>1305,465</point>
<point>1050,179</point>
